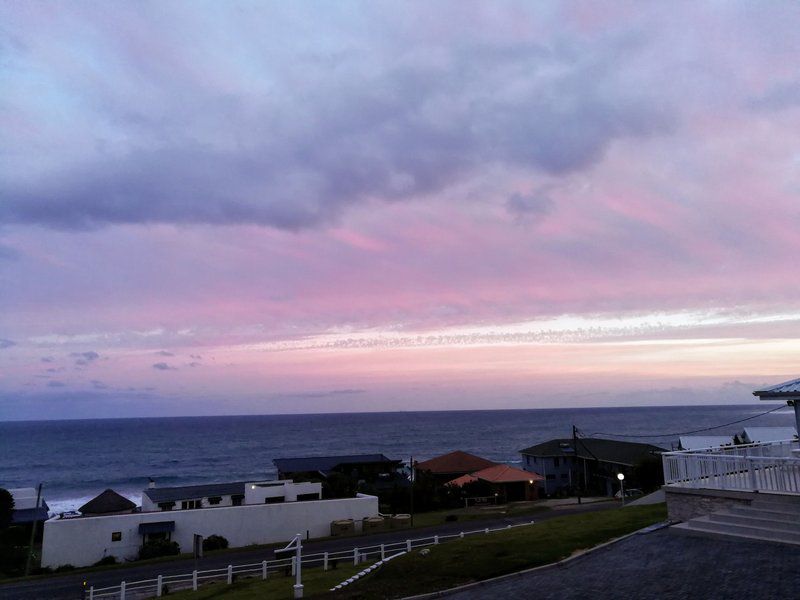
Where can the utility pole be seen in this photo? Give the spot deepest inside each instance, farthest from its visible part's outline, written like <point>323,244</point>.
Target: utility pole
<point>575,449</point>
<point>33,533</point>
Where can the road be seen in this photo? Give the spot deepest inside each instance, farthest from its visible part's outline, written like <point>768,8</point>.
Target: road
<point>70,586</point>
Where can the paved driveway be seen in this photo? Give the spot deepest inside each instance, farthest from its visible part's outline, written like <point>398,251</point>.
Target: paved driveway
<point>663,566</point>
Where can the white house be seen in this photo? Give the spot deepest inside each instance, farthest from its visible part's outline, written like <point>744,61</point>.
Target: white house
<point>264,512</point>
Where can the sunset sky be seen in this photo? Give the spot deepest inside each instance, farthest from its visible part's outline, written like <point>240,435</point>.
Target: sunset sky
<point>253,207</point>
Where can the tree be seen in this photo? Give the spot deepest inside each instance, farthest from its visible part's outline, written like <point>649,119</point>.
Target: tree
<point>6,508</point>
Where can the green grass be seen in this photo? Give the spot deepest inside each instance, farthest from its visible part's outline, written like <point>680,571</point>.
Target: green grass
<point>439,517</point>
<point>455,563</point>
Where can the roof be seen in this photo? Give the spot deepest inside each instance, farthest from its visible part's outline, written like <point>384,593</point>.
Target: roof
<point>28,515</point>
<point>497,474</point>
<point>326,464</point>
<point>455,462</point>
<point>190,492</point>
<point>781,391</point>
<point>108,501</point>
<point>611,451</point>
<point>700,442</point>
<point>755,435</point>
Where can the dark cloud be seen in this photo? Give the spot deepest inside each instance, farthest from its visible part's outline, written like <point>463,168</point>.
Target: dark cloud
<point>8,253</point>
<point>164,353</point>
<point>162,366</point>
<point>98,385</point>
<point>195,364</point>
<point>47,359</point>
<point>780,97</point>
<point>4,343</point>
<point>395,133</point>
<point>85,358</point>
<point>535,205</point>
<point>328,393</point>
<point>56,384</point>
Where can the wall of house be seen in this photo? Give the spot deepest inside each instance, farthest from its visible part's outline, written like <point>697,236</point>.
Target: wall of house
<point>85,540</point>
<point>150,506</point>
<point>557,471</point>
<point>258,492</point>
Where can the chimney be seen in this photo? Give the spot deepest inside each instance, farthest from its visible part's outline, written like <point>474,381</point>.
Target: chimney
<point>151,483</point>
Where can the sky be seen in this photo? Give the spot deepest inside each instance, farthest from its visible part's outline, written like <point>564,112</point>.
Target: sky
<point>274,207</point>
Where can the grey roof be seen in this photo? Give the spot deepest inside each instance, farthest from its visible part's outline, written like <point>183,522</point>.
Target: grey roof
<point>787,389</point>
<point>191,492</point>
<point>107,502</point>
<point>612,451</point>
<point>326,464</point>
<point>28,515</point>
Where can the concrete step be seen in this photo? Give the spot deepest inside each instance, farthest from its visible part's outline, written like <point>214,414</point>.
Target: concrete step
<point>740,518</point>
<point>779,515</point>
<point>769,500</point>
<point>686,529</point>
<point>774,533</point>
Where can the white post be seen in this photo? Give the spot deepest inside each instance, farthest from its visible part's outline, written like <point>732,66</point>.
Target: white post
<point>230,574</point>
<point>355,556</point>
<point>194,580</point>
<point>487,530</point>
<point>461,535</point>
<point>91,593</point>
<point>408,545</point>
<point>436,539</point>
<point>298,559</point>
<point>159,585</point>
<point>294,566</point>
<point>383,552</point>
<point>751,465</point>
<point>325,562</point>
<point>122,591</point>
<point>263,569</point>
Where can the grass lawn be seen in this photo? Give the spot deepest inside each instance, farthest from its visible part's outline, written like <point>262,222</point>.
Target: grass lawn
<point>438,517</point>
<point>457,562</point>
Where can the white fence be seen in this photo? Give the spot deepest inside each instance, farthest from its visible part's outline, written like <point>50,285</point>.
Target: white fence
<point>770,467</point>
<point>160,585</point>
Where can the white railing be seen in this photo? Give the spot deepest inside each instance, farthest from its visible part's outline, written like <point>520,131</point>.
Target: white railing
<point>162,584</point>
<point>770,467</point>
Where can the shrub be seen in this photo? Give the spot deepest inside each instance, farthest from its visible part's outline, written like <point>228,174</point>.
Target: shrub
<point>157,548</point>
<point>451,518</point>
<point>6,508</point>
<point>63,568</point>
<point>214,542</point>
<point>106,560</point>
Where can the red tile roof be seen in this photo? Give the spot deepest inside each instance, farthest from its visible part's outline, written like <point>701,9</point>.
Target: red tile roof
<point>455,462</point>
<point>497,474</point>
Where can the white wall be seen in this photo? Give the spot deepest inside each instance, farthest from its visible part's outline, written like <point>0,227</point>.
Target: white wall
<point>85,540</point>
<point>257,492</point>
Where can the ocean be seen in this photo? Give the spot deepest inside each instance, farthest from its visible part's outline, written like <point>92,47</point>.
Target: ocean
<point>77,459</point>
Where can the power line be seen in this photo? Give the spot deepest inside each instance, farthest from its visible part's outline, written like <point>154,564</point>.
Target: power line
<point>655,435</point>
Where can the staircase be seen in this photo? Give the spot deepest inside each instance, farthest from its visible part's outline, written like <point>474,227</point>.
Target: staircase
<point>770,517</point>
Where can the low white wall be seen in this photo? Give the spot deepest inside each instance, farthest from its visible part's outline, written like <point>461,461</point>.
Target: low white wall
<point>83,541</point>
<point>257,492</point>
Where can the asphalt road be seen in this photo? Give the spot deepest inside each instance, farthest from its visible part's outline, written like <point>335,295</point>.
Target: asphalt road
<point>70,586</point>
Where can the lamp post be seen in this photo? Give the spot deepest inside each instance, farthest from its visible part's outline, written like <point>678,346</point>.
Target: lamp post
<point>621,478</point>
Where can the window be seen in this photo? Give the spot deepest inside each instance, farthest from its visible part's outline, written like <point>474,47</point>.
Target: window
<point>214,500</point>
<point>116,536</point>
<point>550,477</point>
<point>190,504</point>
<point>556,462</point>
<point>166,505</point>
<point>302,497</point>
<point>274,500</point>
<point>236,499</point>
<point>565,476</point>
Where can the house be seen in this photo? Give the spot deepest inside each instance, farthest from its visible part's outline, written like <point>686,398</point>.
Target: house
<point>594,466</point>
<point>762,435</point>
<point>107,502</point>
<point>245,513</point>
<point>26,509</point>
<point>360,467</point>
<point>505,483</point>
<point>449,466</point>
<point>698,442</point>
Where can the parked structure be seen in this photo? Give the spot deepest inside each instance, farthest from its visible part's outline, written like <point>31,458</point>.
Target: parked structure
<point>268,511</point>
<point>505,483</point>
<point>594,466</point>
<point>449,466</point>
<point>26,509</point>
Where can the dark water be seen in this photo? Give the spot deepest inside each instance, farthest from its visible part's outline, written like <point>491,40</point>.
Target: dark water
<point>78,459</point>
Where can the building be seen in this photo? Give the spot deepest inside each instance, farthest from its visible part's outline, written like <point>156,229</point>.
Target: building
<point>503,482</point>
<point>359,467</point>
<point>107,502</point>
<point>26,509</point>
<point>698,442</point>
<point>245,513</point>
<point>593,467</point>
<point>449,466</point>
<point>762,435</point>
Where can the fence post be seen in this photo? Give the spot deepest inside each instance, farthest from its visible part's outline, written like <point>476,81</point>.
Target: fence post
<point>461,535</point>
<point>159,585</point>
<point>122,591</point>
<point>383,552</point>
<point>508,526</point>
<point>194,580</point>
<point>408,545</point>
<point>325,562</point>
<point>753,480</point>
<point>487,530</point>
<point>355,556</point>
<point>294,566</point>
<point>436,539</point>
<point>230,574</point>
<point>263,569</point>
<point>91,593</point>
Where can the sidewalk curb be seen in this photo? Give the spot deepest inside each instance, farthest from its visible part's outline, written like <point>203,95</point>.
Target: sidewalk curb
<point>547,567</point>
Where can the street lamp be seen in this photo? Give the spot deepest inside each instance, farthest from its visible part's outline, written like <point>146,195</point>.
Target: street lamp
<point>621,478</point>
